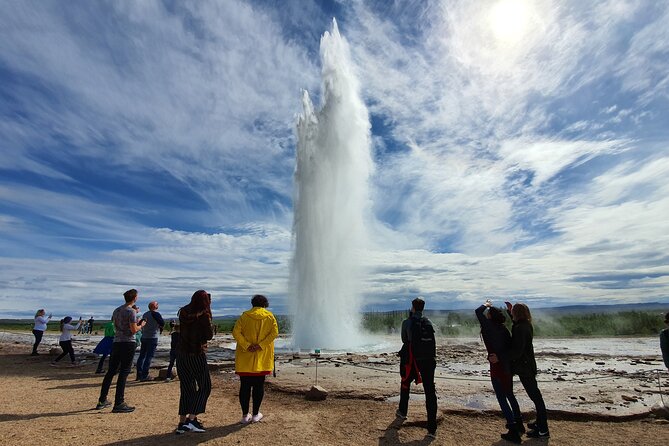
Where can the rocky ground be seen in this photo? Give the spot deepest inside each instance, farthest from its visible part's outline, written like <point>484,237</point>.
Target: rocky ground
<point>592,399</point>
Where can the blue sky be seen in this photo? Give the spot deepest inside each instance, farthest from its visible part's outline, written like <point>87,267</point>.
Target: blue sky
<point>521,150</point>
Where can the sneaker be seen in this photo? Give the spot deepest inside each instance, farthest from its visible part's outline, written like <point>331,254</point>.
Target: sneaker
<point>246,419</point>
<point>399,414</point>
<point>513,436</point>
<point>256,418</point>
<point>195,426</point>
<point>538,433</point>
<point>432,435</point>
<point>182,428</point>
<point>123,408</point>
<point>102,405</point>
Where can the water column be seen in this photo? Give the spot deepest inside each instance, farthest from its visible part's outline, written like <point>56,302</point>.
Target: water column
<point>331,203</point>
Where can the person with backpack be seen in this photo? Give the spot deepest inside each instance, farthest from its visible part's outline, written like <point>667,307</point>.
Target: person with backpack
<point>497,340</point>
<point>418,362</point>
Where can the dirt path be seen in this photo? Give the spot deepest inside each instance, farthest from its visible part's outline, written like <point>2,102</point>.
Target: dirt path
<point>46,405</point>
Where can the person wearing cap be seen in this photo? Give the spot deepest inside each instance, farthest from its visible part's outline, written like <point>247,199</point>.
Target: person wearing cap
<point>664,342</point>
<point>65,339</point>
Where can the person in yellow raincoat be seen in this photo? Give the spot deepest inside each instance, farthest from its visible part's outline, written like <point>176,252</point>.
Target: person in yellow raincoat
<point>254,331</point>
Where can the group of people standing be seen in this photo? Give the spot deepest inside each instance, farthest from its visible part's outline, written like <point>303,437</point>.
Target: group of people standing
<point>254,331</point>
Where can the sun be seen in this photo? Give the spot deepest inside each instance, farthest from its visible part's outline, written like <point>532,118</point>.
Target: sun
<point>509,20</point>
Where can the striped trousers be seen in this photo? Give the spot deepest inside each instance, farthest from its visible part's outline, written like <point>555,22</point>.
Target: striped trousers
<point>195,383</point>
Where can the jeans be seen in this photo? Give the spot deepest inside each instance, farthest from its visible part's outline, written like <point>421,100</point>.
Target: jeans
<point>38,338</point>
<point>426,369</point>
<point>146,351</point>
<point>507,400</point>
<point>532,389</point>
<point>120,362</point>
<point>67,349</point>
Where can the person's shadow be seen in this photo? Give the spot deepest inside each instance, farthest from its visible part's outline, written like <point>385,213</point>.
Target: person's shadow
<point>192,438</point>
<point>391,436</point>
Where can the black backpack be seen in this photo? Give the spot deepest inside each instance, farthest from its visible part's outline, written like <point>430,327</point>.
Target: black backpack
<point>423,344</point>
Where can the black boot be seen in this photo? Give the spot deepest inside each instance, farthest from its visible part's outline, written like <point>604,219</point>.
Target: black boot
<point>520,426</point>
<point>513,435</point>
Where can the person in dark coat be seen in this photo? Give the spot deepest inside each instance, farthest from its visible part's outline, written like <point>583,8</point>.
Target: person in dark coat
<point>497,340</point>
<point>524,365</point>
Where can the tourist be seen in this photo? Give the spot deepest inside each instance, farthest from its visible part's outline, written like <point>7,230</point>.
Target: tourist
<point>90,323</point>
<point>664,342</point>
<point>254,331</point>
<point>150,334</point>
<point>497,340</point>
<point>65,339</point>
<point>174,347</point>
<point>104,347</point>
<point>123,351</point>
<point>524,365</point>
<point>418,363</point>
<point>40,327</point>
<point>138,335</point>
<point>194,379</point>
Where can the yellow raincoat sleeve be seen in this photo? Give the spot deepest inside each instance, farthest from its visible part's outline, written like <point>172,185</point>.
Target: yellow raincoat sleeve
<point>239,337</point>
<point>273,333</point>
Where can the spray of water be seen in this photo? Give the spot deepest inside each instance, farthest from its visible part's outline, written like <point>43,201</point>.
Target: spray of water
<point>331,200</point>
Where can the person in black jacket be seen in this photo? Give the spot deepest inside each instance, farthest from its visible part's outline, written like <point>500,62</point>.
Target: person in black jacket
<point>524,365</point>
<point>497,340</point>
<point>418,363</point>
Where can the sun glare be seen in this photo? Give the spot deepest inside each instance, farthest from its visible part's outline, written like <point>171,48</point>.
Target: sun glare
<point>509,20</point>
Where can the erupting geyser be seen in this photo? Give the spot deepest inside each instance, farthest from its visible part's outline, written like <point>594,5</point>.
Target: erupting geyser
<point>331,200</point>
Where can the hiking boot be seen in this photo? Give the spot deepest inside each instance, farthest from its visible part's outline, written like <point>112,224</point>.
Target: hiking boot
<point>539,433</point>
<point>246,419</point>
<point>513,436</point>
<point>182,428</point>
<point>399,414</point>
<point>257,417</point>
<point>123,408</point>
<point>195,426</point>
<point>102,405</point>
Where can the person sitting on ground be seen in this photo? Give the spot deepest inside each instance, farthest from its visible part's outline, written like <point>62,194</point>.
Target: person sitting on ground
<point>65,339</point>
<point>524,365</point>
<point>123,351</point>
<point>497,340</point>
<point>664,342</point>
<point>150,334</point>
<point>174,346</point>
<point>194,379</point>
<point>40,327</point>
<point>104,347</point>
<point>254,331</point>
<point>418,362</point>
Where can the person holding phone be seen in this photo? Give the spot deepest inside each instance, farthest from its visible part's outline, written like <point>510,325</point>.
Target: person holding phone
<point>65,339</point>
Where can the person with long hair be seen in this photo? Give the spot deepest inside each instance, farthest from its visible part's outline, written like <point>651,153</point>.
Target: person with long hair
<point>524,365</point>
<point>65,339</point>
<point>254,331</point>
<point>39,328</point>
<point>194,380</point>
<point>497,340</point>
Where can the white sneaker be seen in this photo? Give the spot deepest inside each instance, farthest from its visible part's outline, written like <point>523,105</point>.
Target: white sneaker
<point>246,419</point>
<point>257,418</point>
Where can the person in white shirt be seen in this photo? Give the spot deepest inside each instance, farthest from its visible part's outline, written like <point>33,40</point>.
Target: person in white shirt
<point>65,339</point>
<point>39,329</point>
